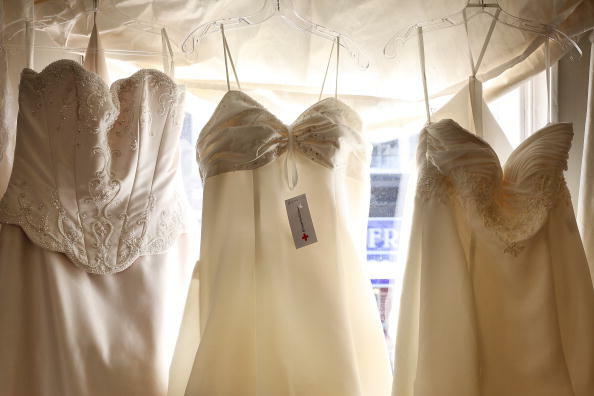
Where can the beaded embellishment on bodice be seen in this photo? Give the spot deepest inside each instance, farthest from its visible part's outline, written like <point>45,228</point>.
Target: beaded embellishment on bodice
<point>96,168</point>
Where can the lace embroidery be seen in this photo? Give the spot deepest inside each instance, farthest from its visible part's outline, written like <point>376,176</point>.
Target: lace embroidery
<point>105,223</point>
<point>432,184</point>
<point>513,204</point>
<point>69,239</point>
<point>514,217</point>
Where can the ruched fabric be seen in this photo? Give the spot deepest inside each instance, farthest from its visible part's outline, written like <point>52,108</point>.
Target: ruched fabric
<point>497,296</point>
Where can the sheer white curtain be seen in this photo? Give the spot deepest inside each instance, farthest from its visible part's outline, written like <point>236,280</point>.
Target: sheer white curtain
<point>286,76</point>
<point>283,68</point>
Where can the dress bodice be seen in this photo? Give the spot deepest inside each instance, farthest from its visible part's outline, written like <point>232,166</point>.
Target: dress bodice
<point>96,168</point>
<point>514,200</point>
<point>243,135</point>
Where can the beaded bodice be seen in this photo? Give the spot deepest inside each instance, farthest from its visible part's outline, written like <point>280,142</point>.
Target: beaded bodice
<point>96,168</point>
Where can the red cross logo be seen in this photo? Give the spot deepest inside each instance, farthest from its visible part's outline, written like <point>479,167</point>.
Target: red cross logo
<point>305,236</point>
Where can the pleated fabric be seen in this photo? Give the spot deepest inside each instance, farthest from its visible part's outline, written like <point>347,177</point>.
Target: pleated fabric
<point>497,297</point>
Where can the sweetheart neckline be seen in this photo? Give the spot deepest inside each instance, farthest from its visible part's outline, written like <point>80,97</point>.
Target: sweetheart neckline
<point>28,72</point>
<point>513,201</point>
<point>298,118</point>
<point>536,135</point>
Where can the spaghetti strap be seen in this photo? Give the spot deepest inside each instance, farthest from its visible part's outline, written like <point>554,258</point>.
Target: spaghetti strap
<point>337,64</point>
<point>95,55</point>
<point>547,55</point>
<point>474,85</point>
<point>337,43</point>
<point>227,53</point>
<point>423,72</point>
<point>167,52</point>
<point>475,88</point>
<point>30,43</point>
<point>475,66</point>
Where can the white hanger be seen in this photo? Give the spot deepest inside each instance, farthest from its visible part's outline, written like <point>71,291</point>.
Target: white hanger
<point>470,11</point>
<point>285,10</point>
<point>550,32</point>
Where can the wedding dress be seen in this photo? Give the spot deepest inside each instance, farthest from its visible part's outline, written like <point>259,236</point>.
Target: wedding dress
<point>276,319</point>
<point>497,296</point>
<point>94,259</point>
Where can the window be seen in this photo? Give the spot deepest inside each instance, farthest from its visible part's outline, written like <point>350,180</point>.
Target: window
<point>523,110</point>
<point>389,165</point>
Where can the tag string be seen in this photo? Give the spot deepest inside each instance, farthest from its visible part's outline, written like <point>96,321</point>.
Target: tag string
<point>291,171</point>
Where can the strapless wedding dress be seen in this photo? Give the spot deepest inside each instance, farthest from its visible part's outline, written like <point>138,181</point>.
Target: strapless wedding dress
<point>497,296</point>
<point>93,263</point>
<point>277,320</point>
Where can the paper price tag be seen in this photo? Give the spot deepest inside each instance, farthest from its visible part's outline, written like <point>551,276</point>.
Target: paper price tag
<point>300,221</point>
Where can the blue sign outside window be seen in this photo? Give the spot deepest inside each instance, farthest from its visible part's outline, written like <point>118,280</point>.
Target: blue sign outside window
<point>382,238</point>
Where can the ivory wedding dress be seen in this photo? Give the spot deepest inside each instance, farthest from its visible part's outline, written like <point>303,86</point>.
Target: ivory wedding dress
<point>277,320</point>
<point>497,296</point>
<point>93,266</point>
